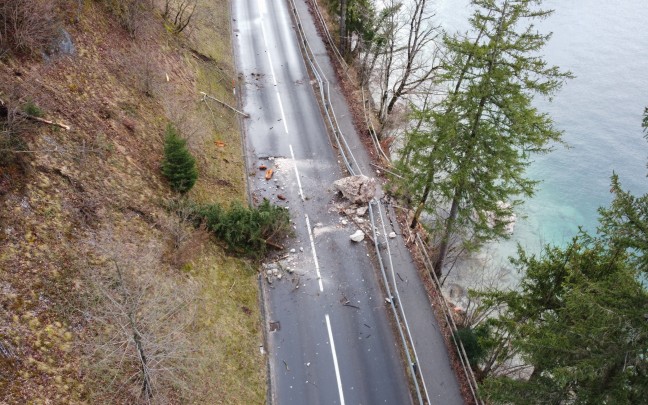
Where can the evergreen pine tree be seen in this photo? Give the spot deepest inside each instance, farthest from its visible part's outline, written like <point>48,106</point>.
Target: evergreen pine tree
<point>577,324</point>
<point>466,160</point>
<point>579,319</point>
<point>178,166</point>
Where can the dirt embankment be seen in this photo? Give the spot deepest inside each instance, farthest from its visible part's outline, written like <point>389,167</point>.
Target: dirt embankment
<point>106,295</point>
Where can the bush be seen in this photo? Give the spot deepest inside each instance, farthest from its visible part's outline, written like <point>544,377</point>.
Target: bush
<point>12,127</point>
<point>32,109</point>
<point>246,230</point>
<point>27,26</point>
<point>178,166</point>
<point>179,13</point>
<point>470,340</point>
<point>129,13</point>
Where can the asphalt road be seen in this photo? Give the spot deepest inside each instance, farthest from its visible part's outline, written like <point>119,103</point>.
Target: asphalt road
<point>329,336</point>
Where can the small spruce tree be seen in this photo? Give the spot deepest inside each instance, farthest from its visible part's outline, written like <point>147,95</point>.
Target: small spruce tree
<point>178,166</point>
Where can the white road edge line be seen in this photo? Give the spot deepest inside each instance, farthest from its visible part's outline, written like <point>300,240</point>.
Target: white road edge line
<point>292,154</point>
<point>335,361</point>
<point>317,269</point>
<point>262,7</point>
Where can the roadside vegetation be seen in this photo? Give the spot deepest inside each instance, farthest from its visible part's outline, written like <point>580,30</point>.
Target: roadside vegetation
<point>457,110</point>
<point>110,290</point>
<point>576,329</point>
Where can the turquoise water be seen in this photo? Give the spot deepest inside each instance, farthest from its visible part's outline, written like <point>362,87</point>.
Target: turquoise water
<point>605,45</point>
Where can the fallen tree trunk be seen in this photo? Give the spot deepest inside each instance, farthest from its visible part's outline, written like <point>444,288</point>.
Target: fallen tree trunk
<point>44,121</point>
<point>205,95</point>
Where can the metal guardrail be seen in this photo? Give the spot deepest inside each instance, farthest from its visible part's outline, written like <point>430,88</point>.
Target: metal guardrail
<point>338,55</point>
<point>463,357</point>
<point>354,169</point>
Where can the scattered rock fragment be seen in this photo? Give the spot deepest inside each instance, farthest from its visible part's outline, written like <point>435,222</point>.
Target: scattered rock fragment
<point>392,235</point>
<point>362,210</point>
<point>358,236</point>
<point>268,174</point>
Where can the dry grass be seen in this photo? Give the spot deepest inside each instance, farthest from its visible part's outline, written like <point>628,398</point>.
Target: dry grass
<point>102,177</point>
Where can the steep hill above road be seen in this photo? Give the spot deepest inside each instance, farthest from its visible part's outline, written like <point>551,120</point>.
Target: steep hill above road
<point>106,295</point>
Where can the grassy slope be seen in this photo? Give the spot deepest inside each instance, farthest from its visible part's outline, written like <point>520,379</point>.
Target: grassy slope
<point>91,197</point>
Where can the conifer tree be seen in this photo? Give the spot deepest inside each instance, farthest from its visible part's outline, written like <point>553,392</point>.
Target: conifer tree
<point>178,166</point>
<point>577,324</point>
<point>466,162</point>
<point>626,220</point>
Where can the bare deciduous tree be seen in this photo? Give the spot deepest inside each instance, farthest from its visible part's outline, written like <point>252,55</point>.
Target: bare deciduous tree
<point>143,351</point>
<point>409,59</point>
<point>179,13</point>
<point>27,26</point>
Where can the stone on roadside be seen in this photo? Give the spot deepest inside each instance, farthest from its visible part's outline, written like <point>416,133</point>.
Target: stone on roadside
<point>392,235</point>
<point>358,236</point>
<point>362,210</point>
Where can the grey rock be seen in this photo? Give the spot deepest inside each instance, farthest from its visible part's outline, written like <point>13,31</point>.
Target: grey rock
<point>357,189</point>
<point>358,236</point>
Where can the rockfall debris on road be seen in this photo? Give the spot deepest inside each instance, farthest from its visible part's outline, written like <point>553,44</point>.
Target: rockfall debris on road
<point>357,189</point>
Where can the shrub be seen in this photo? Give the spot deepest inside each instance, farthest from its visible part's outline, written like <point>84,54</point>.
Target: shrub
<point>243,229</point>
<point>179,13</point>
<point>178,166</point>
<point>27,26</point>
<point>129,13</point>
<point>12,127</point>
<point>470,339</point>
<point>32,109</point>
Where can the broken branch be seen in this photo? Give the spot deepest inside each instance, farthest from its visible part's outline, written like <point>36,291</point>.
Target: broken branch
<point>44,121</point>
<point>206,96</point>
<point>274,245</point>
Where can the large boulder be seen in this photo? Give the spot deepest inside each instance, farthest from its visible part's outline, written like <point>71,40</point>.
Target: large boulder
<point>357,189</point>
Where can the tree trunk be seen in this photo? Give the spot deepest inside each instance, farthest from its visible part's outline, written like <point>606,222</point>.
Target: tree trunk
<point>447,232</point>
<point>421,205</point>
<point>343,30</point>
<point>147,389</point>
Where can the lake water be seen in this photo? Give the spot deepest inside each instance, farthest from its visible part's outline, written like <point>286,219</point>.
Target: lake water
<point>604,43</point>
